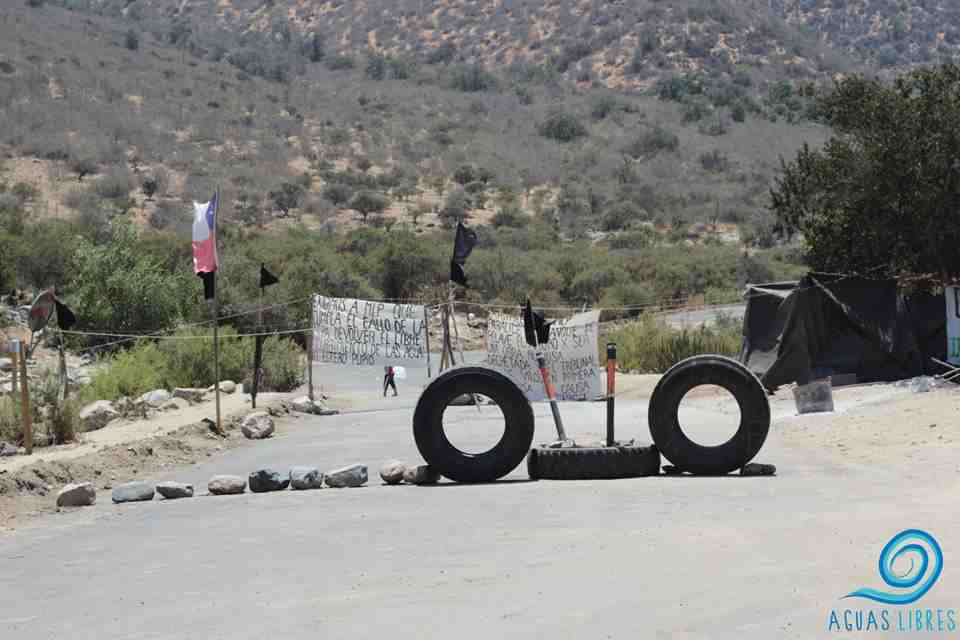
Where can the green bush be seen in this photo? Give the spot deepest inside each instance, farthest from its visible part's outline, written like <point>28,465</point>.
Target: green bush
<point>562,127</point>
<point>648,346</point>
<point>652,142</point>
<point>186,360</point>
<point>11,428</point>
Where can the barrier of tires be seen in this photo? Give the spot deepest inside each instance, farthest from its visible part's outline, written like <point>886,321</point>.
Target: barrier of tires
<point>612,461</point>
<point>684,453</point>
<point>458,465</point>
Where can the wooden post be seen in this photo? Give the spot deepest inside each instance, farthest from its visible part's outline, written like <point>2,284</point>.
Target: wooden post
<point>216,352</point>
<point>426,324</point>
<point>25,405</point>
<point>63,366</point>
<point>15,359</point>
<point>310,365</point>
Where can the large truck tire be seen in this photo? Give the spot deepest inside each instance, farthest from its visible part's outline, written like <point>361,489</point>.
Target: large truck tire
<point>668,435</point>
<point>458,465</point>
<point>593,463</point>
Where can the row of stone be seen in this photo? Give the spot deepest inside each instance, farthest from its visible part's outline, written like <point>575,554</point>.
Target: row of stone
<point>261,481</point>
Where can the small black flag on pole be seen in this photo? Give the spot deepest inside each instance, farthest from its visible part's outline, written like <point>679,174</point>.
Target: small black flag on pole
<point>266,278</point>
<point>536,329</point>
<point>209,284</point>
<point>65,317</point>
<point>463,244</point>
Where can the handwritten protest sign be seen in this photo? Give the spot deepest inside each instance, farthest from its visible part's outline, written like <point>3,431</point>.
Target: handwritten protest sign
<point>952,295</point>
<point>572,355</point>
<point>361,332</point>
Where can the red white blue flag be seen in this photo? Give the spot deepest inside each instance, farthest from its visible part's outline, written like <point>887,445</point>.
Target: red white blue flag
<point>205,235</point>
<point>205,242</point>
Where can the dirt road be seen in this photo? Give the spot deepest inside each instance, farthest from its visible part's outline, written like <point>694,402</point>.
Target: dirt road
<point>659,557</point>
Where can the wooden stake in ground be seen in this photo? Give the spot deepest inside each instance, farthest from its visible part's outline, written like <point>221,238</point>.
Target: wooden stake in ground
<point>310,365</point>
<point>25,404</point>
<point>426,326</point>
<point>15,359</point>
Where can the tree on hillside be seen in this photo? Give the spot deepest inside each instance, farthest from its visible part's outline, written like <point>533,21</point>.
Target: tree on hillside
<point>367,202</point>
<point>883,195</point>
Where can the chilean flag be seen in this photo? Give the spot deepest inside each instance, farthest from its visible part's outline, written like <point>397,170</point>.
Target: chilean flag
<point>205,242</point>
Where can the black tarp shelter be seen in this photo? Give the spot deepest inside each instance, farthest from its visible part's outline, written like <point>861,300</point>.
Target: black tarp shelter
<point>829,325</point>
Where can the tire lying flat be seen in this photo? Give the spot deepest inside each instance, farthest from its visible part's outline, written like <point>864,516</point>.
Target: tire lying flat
<point>593,463</point>
<point>458,465</point>
<point>668,435</point>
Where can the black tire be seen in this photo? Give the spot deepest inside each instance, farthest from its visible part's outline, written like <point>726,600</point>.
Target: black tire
<point>458,465</point>
<point>593,463</point>
<point>694,458</point>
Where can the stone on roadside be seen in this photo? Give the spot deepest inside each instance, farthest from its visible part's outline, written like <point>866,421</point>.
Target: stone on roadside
<point>304,404</point>
<point>224,485</point>
<point>757,469</point>
<point>392,472</point>
<point>421,475</point>
<point>226,386</point>
<point>257,425</point>
<point>175,404</point>
<point>353,476</point>
<point>266,480</point>
<point>190,395</point>
<point>156,398</point>
<point>7,449</point>
<point>80,494</point>
<point>6,364</point>
<point>306,478</point>
<point>96,415</point>
<point>174,490</point>
<point>41,439</point>
<point>136,491</point>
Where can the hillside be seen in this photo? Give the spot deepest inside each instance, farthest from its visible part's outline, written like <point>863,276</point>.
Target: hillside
<point>639,128</point>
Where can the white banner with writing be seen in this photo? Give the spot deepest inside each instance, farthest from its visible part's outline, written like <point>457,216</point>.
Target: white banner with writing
<point>952,295</point>
<point>572,356</point>
<point>360,332</point>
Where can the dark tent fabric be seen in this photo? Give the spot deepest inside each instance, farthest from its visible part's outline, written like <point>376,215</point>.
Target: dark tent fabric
<point>828,325</point>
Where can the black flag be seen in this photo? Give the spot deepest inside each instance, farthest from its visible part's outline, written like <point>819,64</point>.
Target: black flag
<point>209,282</point>
<point>266,278</point>
<point>65,317</point>
<point>463,244</point>
<point>535,327</point>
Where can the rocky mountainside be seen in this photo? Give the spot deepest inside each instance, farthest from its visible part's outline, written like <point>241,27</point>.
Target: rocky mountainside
<point>624,44</point>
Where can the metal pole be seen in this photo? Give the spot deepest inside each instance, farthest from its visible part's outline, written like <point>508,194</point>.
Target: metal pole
<point>257,353</point>
<point>216,351</point>
<point>611,389</point>
<point>25,404</point>
<point>426,326</point>
<point>551,395</point>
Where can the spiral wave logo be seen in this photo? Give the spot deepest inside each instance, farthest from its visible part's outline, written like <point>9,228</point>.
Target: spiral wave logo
<point>926,563</point>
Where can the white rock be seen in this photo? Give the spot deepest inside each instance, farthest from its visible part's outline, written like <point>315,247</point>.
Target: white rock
<point>6,364</point>
<point>353,476</point>
<point>226,485</point>
<point>392,472</point>
<point>136,491</point>
<point>156,398</point>
<point>96,415</point>
<point>77,495</point>
<point>226,386</point>
<point>257,425</point>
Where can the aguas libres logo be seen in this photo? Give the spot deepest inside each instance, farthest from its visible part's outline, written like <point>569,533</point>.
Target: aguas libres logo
<point>910,565</point>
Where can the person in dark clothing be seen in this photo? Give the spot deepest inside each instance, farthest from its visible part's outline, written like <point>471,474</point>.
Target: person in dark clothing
<point>388,381</point>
